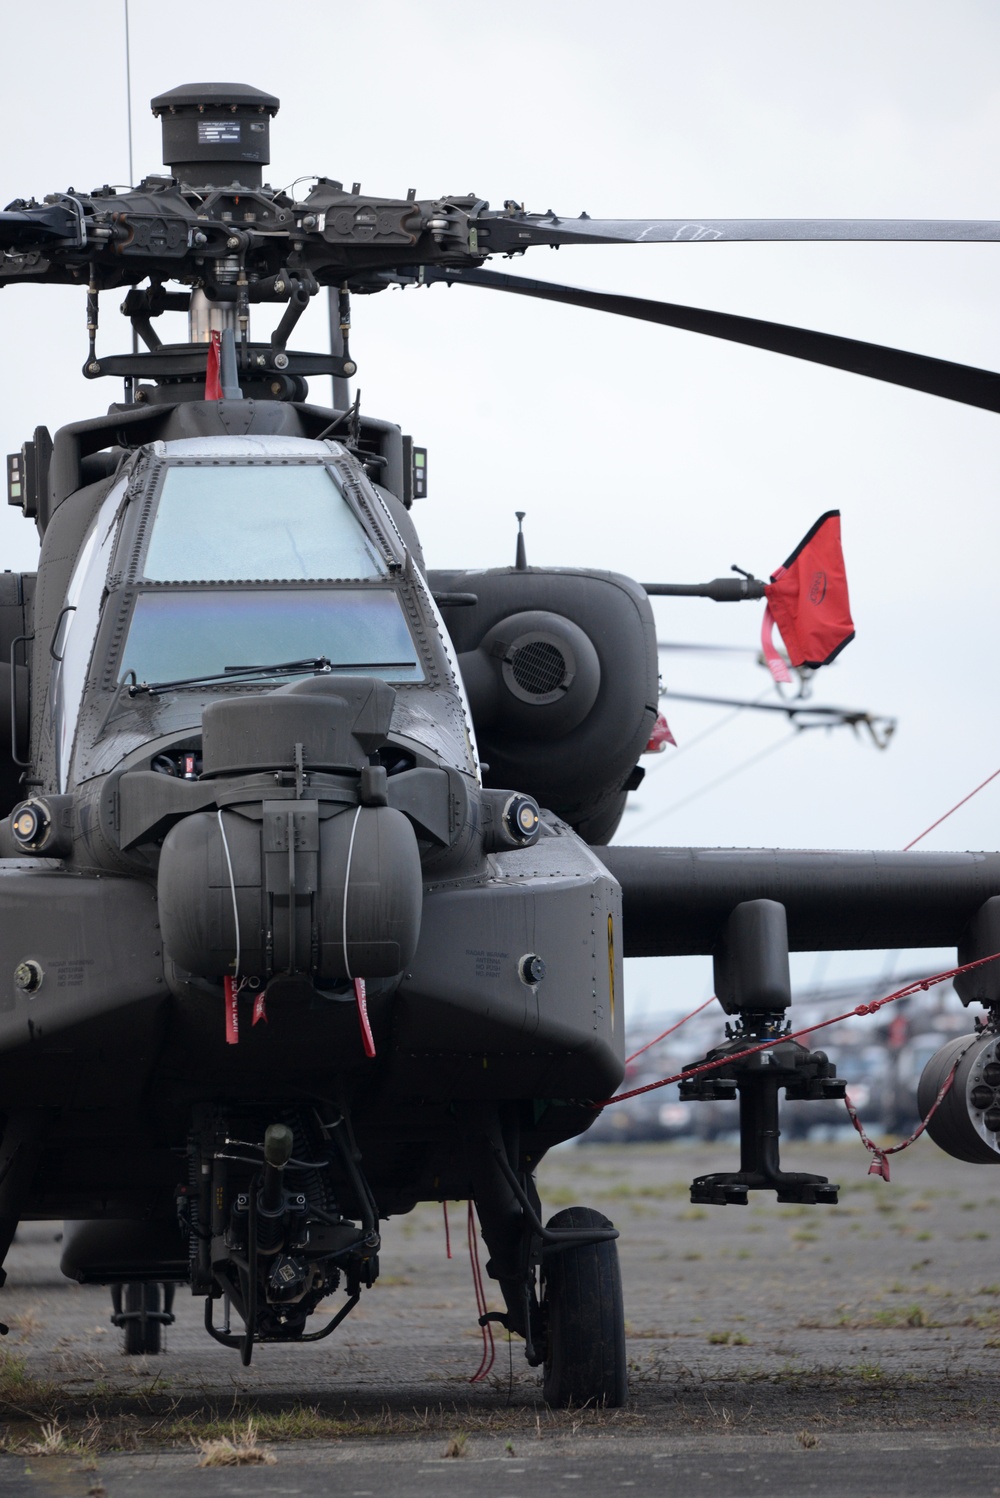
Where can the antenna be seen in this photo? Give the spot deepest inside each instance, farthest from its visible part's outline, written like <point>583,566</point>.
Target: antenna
<point>128,97</point>
<point>129,382</point>
<point>520,559</point>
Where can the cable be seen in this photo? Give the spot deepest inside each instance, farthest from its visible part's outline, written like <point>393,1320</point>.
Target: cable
<point>232,887</point>
<point>713,728</point>
<point>948,813</point>
<point>766,1045</point>
<point>671,1030</point>
<point>711,786</point>
<point>347,882</point>
<point>669,759</point>
<point>489,1346</point>
<point>880,1153</point>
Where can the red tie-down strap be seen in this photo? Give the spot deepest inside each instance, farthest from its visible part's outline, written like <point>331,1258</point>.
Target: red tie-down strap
<point>808,601</point>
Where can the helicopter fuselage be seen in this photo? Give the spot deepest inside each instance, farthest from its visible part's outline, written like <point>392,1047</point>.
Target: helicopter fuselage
<point>254,760</point>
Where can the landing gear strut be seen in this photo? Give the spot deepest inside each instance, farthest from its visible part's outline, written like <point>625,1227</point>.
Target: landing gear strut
<point>576,1328</point>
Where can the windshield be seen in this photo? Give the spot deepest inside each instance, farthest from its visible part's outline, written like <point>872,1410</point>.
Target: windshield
<point>74,639</point>
<point>185,632</point>
<point>237,522</point>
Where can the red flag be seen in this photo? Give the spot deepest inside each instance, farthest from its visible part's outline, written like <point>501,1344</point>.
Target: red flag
<point>213,388</point>
<point>807,599</point>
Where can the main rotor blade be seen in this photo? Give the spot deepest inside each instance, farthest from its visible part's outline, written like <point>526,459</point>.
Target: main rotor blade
<point>513,231</point>
<point>714,649</point>
<point>956,382</point>
<point>880,728</point>
<point>791,708</point>
<point>38,225</point>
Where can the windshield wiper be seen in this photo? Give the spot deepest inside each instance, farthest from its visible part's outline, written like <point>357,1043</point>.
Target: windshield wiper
<point>318,664</point>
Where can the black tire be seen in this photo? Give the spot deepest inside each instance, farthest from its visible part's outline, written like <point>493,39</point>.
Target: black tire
<point>584,1317</point>
<point>142,1335</point>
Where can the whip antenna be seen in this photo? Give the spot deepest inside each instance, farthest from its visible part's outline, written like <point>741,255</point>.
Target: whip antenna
<point>129,383</point>
<point>128,97</point>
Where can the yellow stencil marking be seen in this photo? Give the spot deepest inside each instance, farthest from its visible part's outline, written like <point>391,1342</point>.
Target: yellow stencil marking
<point>611,965</point>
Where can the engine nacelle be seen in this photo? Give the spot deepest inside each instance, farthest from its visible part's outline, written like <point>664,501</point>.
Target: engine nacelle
<point>561,672</point>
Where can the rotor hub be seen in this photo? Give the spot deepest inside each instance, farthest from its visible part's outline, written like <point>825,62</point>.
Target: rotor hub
<point>216,134</point>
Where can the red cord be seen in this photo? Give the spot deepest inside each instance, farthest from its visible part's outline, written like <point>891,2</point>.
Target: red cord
<point>670,1031</point>
<point>489,1347</point>
<point>880,1162</point>
<point>766,1045</point>
<point>954,808</point>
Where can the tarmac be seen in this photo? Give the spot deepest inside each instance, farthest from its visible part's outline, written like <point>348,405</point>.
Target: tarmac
<point>850,1350</point>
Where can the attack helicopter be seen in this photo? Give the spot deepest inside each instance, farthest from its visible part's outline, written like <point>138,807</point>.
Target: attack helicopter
<point>308,910</point>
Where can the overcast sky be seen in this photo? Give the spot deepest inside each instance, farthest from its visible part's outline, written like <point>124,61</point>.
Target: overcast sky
<point>648,451</point>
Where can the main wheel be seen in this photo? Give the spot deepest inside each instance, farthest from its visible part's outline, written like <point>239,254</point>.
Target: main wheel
<point>584,1317</point>
<point>143,1333</point>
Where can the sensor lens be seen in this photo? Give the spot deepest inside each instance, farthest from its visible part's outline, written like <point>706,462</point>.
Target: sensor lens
<point>521,818</point>
<point>30,824</point>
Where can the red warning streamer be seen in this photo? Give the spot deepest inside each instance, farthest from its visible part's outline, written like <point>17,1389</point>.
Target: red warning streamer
<point>231,992</point>
<point>361,999</point>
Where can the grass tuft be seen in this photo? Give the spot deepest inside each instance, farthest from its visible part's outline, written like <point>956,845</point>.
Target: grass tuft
<point>53,1441</point>
<point>235,1450</point>
<point>18,1388</point>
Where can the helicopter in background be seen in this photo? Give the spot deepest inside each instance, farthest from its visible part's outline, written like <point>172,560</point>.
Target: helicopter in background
<point>308,907</point>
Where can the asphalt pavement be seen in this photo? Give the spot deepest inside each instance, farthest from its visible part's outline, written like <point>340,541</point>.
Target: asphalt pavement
<point>847,1350</point>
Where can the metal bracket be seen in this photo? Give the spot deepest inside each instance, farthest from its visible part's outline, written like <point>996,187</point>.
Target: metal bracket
<point>757,1078</point>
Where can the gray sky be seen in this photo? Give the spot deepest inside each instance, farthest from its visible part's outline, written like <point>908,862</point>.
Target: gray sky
<point>648,451</point>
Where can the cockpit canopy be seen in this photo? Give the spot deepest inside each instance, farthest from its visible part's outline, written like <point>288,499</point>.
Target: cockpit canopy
<point>224,555</point>
<point>227,538</point>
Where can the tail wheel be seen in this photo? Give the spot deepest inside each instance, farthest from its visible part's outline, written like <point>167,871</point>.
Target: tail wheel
<point>584,1316</point>
<point>143,1328</point>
